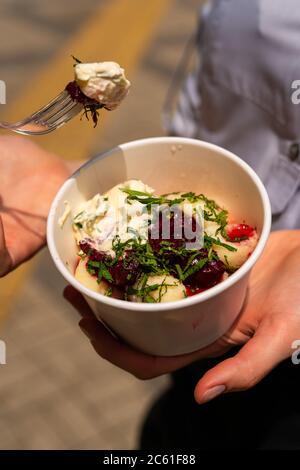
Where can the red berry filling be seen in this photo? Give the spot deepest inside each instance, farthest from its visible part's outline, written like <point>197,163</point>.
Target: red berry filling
<point>123,271</point>
<point>190,291</point>
<point>240,232</point>
<point>197,272</point>
<point>206,277</point>
<point>90,105</point>
<point>76,94</point>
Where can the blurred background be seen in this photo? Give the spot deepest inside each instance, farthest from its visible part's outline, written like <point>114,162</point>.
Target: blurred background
<point>55,392</point>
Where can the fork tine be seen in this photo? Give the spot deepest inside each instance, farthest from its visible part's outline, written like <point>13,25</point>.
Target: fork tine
<point>58,101</point>
<point>67,116</point>
<point>43,128</point>
<point>59,112</point>
<point>48,118</point>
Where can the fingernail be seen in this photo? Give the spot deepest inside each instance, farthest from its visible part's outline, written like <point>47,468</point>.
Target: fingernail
<point>212,393</point>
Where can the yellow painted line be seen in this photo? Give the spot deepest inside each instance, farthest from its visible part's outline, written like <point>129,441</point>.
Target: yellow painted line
<point>120,32</point>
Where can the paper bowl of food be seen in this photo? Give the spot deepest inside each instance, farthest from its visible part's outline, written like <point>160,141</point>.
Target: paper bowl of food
<point>160,236</point>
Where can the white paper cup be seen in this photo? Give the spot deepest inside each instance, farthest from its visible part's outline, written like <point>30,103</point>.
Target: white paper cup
<point>167,164</point>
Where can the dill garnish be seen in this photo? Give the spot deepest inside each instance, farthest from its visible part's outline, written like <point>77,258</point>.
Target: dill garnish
<point>137,259</point>
<point>210,241</point>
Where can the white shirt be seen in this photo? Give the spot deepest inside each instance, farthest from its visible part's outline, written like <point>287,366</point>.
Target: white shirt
<point>240,95</point>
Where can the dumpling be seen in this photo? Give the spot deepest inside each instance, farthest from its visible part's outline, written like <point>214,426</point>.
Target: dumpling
<point>102,287</point>
<point>244,248</point>
<point>171,289</point>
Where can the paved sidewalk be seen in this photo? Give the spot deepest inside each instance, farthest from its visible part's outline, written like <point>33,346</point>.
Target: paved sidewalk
<point>55,392</point>
<point>32,31</point>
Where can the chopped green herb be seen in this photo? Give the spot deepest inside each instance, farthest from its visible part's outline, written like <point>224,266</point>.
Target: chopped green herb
<point>104,273</point>
<point>168,258</point>
<point>144,291</point>
<point>179,272</point>
<point>99,268</point>
<point>148,199</point>
<point>109,291</point>
<point>77,61</point>
<point>195,268</point>
<point>209,241</point>
<point>77,216</point>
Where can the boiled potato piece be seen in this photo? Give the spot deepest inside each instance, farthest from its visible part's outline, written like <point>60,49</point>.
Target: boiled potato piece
<point>103,287</point>
<point>83,276</point>
<point>211,228</point>
<point>171,291</point>
<point>117,197</point>
<point>243,248</point>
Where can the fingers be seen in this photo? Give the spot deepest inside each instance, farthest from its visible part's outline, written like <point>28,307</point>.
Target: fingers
<point>77,301</point>
<point>141,365</point>
<point>104,343</point>
<point>253,362</point>
<point>5,259</point>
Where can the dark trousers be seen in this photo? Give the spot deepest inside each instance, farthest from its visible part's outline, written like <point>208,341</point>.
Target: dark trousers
<point>265,417</point>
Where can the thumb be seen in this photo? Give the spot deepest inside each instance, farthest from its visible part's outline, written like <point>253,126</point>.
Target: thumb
<point>253,362</point>
<point>5,259</point>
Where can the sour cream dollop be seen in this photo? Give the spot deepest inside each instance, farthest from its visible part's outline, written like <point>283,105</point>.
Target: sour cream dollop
<point>104,82</point>
<point>105,216</point>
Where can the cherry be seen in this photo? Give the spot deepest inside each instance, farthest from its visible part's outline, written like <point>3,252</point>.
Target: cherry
<point>208,276</point>
<point>75,92</point>
<point>124,272</point>
<point>240,232</point>
<point>190,291</point>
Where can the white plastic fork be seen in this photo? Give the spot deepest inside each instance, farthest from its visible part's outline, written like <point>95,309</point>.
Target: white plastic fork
<point>47,119</point>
